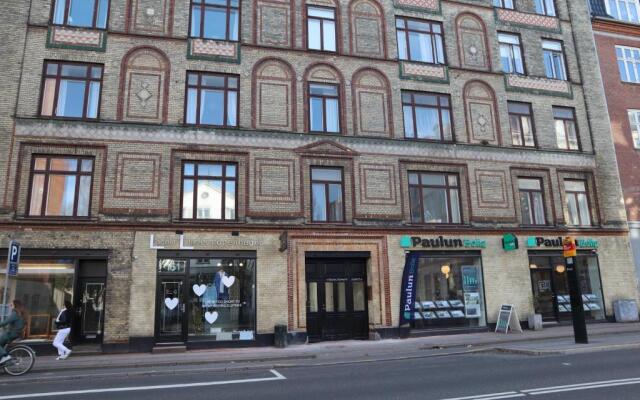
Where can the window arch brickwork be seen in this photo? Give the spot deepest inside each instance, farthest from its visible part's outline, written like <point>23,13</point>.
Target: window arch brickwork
<point>367,29</point>
<point>473,48</point>
<point>371,104</point>
<point>274,95</point>
<point>144,86</point>
<point>481,113</point>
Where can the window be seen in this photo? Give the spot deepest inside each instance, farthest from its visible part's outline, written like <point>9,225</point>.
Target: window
<point>212,99</point>
<point>81,13</point>
<point>566,130</point>
<point>531,201</point>
<point>634,122</point>
<point>625,10</point>
<point>324,108</point>
<point>426,115</point>
<point>628,63</point>
<point>545,7</point>
<point>60,186</point>
<point>420,41</point>
<point>521,121</point>
<point>434,198</point>
<point>554,64</point>
<point>321,28</point>
<point>503,4</point>
<point>215,19</point>
<point>71,90</point>
<point>326,195</point>
<point>511,53</point>
<point>577,202</point>
<point>210,190</point>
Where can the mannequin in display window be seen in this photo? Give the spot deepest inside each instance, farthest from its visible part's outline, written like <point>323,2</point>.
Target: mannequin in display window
<point>221,290</point>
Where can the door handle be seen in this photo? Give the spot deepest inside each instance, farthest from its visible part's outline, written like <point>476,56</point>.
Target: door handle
<point>182,307</point>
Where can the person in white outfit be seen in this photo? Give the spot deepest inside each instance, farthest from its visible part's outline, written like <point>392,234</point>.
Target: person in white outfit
<point>63,323</point>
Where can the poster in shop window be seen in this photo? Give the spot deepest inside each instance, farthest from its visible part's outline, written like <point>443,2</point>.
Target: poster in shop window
<point>471,289</point>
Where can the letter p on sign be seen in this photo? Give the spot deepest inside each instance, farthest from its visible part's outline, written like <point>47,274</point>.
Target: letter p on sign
<point>14,258</point>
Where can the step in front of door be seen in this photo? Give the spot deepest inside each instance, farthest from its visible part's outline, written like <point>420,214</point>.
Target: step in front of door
<point>169,348</point>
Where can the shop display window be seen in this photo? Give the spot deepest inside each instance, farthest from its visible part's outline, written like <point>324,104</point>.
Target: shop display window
<point>42,286</point>
<point>449,292</point>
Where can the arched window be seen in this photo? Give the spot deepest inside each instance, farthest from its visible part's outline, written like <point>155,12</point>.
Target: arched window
<point>371,104</point>
<point>472,42</point>
<point>324,97</point>
<point>367,29</point>
<point>144,86</point>
<point>274,95</point>
<point>481,113</point>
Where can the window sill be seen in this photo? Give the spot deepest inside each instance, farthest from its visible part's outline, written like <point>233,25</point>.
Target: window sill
<point>58,118</point>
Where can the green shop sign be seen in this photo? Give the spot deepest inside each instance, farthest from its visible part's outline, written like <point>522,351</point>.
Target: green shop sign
<point>539,241</point>
<point>441,242</point>
<point>509,242</point>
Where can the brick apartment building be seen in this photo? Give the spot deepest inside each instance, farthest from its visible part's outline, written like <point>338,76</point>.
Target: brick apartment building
<point>194,172</point>
<point>616,27</point>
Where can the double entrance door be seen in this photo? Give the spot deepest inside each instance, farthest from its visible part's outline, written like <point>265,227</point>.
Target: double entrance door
<point>336,299</point>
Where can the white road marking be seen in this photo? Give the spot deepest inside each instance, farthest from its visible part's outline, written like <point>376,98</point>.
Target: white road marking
<point>492,396</point>
<point>550,389</point>
<point>277,377</point>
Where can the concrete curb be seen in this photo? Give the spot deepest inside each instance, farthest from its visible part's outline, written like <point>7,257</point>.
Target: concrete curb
<point>537,352</point>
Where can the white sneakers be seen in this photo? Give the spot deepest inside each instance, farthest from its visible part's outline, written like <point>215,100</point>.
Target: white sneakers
<point>64,356</point>
<point>5,359</point>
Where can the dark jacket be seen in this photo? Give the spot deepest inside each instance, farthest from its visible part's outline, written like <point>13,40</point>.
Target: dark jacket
<point>64,321</point>
<point>14,323</point>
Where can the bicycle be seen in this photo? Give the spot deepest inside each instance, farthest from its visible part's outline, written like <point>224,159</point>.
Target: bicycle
<point>22,359</point>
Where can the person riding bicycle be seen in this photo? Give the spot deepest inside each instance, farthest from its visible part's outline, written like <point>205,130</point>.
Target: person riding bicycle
<point>14,325</point>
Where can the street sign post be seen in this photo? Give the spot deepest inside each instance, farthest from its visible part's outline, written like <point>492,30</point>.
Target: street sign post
<point>13,263</point>
<point>569,251</point>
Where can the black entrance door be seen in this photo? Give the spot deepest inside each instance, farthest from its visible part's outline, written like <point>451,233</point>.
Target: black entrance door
<point>336,299</point>
<point>88,324</point>
<point>171,322</point>
<point>543,294</point>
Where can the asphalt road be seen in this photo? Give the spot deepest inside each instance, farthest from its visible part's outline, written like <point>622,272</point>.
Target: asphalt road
<point>613,375</point>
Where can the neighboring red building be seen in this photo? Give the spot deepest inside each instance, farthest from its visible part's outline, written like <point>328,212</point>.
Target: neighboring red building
<point>616,26</point>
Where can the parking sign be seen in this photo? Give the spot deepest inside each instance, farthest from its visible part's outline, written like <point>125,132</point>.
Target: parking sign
<point>13,259</point>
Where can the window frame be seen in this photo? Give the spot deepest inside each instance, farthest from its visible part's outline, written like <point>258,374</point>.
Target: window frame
<point>562,55</point>
<point>503,4</point>
<point>635,115</point>
<point>520,116</point>
<point>574,193</point>
<point>512,57</point>
<point>66,15</point>
<point>204,6</point>
<point>58,78</point>
<point>609,11</point>
<point>564,122</point>
<point>439,107</point>
<point>45,187</point>
<point>447,188</point>
<point>545,9</point>
<point>324,107</point>
<point>322,19</point>
<point>223,179</point>
<point>431,34</point>
<point>326,193</point>
<point>624,60</point>
<point>529,193</point>
<point>226,89</point>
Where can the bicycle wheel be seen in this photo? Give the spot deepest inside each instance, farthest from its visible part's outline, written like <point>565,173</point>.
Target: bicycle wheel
<point>22,360</point>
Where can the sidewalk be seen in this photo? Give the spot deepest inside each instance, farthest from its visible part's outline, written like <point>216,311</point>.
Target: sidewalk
<point>555,340</point>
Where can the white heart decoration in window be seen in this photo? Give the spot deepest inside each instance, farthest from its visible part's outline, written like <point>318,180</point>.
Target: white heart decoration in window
<point>228,281</point>
<point>211,317</point>
<point>199,289</point>
<point>171,303</point>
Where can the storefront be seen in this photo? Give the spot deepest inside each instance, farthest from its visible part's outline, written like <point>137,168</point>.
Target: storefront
<point>46,279</point>
<point>205,296</point>
<point>549,279</point>
<point>447,284</point>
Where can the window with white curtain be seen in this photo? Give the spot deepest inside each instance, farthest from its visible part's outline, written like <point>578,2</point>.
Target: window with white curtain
<point>420,40</point>
<point>531,201</point>
<point>624,10</point>
<point>324,108</point>
<point>545,7</point>
<point>634,122</point>
<point>554,64</point>
<point>511,54</point>
<point>81,13</point>
<point>577,202</point>
<point>628,63</point>
<point>321,28</point>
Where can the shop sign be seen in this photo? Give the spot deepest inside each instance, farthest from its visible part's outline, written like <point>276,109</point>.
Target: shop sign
<point>408,292</point>
<point>181,242</point>
<point>539,241</point>
<point>441,242</point>
<point>509,242</point>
